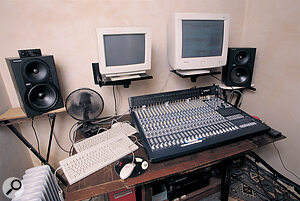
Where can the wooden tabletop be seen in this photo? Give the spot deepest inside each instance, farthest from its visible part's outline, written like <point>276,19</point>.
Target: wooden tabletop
<point>106,180</point>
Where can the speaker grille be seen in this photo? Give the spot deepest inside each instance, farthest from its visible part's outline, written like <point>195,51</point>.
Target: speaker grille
<point>42,96</point>
<point>239,68</point>
<point>36,70</point>
<point>36,83</point>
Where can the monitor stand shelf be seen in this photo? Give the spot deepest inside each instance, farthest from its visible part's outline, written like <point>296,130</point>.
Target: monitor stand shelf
<point>194,76</point>
<point>106,81</point>
<point>103,80</point>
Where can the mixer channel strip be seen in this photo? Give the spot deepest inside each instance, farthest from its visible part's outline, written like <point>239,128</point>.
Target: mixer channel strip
<point>177,123</point>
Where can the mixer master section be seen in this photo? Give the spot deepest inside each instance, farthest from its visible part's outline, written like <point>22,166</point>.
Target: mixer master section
<point>177,127</point>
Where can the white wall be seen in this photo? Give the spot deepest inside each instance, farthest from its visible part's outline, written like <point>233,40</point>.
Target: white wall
<point>14,157</point>
<point>66,29</point>
<point>274,28</point>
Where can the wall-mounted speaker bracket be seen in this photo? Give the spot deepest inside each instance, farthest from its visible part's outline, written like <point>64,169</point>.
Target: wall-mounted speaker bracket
<point>103,80</point>
<point>194,76</point>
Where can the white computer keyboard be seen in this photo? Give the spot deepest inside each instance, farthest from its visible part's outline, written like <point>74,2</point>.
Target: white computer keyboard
<point>95,158</point>
<point>122,129</point>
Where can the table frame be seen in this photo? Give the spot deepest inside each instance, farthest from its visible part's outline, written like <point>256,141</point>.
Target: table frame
<point>106,180</point>
<point>12,116</point>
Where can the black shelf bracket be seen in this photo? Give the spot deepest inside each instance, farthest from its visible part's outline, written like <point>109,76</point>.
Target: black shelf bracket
<point>194,76</point>
<point>102,80</point>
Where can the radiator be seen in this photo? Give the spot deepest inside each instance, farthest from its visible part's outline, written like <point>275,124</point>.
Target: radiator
<point>38,183</point>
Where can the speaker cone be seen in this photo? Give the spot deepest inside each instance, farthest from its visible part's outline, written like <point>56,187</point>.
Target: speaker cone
<point>36,70</point>
<point>42,96</point>
<point>242,57</point>
<point>239,75</point>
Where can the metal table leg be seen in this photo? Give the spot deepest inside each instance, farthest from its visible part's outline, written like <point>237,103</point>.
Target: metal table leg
<point>33,150</point>
<point>226,180</point>
<point>51,116</point>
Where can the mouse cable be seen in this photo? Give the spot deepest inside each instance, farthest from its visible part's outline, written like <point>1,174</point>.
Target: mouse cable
<point>163,86</point>
<point>55,172</point>
<point>108,119</point>
<point>57,140</point>
<point>36,137</point>
<point>283,163</point>
<point>118,97</point>
<point>216,78</point>
<point>136,140</point>
<point>115,101</point>
<point>133,156</point>
<point>231,97</point>
<point>71,129</point>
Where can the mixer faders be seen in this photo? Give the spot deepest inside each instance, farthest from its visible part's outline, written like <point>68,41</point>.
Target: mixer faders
<point>181,122</point>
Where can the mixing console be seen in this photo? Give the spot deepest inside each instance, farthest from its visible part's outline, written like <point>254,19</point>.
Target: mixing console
<point>176,123</point>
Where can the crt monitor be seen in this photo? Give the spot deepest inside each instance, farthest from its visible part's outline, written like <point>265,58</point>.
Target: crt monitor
<point>197,42</point>
<point>124,50</point>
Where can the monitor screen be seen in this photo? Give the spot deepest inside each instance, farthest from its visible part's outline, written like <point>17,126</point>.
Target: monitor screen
<point>197,41</point>
<point>202,38</point>
<point>124,49</point>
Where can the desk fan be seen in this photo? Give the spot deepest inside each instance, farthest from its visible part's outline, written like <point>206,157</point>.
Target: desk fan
<point>85,105</point>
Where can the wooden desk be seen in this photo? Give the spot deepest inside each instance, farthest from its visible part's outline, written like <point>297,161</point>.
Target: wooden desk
<point>106,180</point>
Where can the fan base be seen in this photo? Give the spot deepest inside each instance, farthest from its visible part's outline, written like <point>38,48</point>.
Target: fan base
<point>90,130</point>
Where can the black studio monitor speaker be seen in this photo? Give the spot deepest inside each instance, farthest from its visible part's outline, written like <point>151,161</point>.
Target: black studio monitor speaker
<point>36,83</point>
<point>239,68</point>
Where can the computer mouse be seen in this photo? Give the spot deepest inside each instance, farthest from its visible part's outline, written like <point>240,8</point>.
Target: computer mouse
<point>127,170</point>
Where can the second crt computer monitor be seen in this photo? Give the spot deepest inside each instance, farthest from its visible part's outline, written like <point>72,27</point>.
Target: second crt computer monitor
<point>124,50</point>
<point>197,42</point>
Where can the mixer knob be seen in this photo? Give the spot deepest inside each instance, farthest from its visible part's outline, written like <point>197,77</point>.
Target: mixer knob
<point>156,146</point>
<point>153,147</point>
<point>161,145</point>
